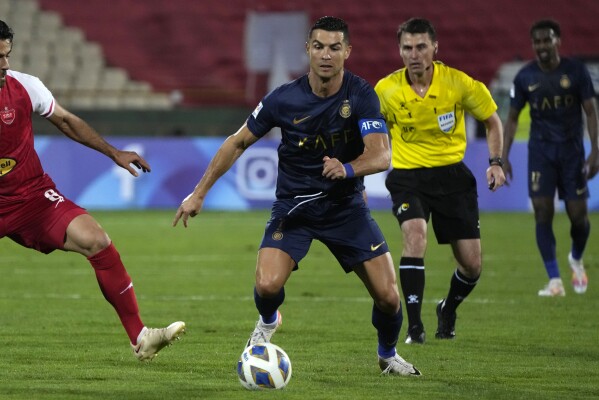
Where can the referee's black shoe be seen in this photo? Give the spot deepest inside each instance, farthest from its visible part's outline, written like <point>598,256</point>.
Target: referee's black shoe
<point>416,335</point>
<point>445,323</point>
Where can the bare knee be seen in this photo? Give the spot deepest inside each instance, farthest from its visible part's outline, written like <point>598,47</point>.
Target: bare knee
<point>471,268</point>
<point>267,287</point>
<point>85,236</point>
<point>388,302</point>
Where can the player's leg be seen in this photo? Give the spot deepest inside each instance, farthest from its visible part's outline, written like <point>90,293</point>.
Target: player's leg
<point>378,276</point>
<point>412,276</point>
<point>283,243</point>
<point>273,268</point>
<point>580,228</point>
<point>542,183</point>
<point>85,236</point>
<point>412,214</point>
<point>467,253</point>
<point>573,189</point>
<point>544,211</point>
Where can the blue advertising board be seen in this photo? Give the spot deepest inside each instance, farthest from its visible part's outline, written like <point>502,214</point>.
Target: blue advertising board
<point>95,182</point>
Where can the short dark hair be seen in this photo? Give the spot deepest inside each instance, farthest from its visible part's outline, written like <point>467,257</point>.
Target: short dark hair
<point>417,25</point>
<point>5,31</point>
<point>546,24</point>
<point>331,24</point>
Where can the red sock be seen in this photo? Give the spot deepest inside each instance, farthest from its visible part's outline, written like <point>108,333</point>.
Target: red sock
<point>117,288</point>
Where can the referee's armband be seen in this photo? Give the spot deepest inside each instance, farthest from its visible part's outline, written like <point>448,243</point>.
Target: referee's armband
<point>372,125</point>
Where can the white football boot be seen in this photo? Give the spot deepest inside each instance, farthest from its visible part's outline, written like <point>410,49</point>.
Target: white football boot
<point>263,332</point>
<point>554,288</point>
<point>153,340</point>
<point>579,275</point>
<point>397,366</point>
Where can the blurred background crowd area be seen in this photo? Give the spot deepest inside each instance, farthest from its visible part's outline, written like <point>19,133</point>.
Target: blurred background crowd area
<point>197,68</point>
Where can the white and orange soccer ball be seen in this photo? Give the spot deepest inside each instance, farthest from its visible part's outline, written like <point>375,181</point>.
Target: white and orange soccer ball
<point>264,366</point>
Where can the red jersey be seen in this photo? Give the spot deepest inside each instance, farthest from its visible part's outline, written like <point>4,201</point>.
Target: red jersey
<point>21,171</point>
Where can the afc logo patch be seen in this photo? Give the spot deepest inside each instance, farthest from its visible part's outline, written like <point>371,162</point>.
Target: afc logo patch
<point>8,116</point>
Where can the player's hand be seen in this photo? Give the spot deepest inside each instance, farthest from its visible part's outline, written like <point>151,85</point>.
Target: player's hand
<point>190,207</point>
<point>507,170</point>
<point>333,168</point>
<point>124,159</point>
<point>495,177</point>
<point>591,164</point>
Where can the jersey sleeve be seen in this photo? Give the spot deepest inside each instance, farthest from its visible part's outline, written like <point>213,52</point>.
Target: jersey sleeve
<point>478,100</point>
<point>370,118</point>
<point>262,119</point>
<point>587,90</point>
<point>42,101</point>
<point>517,94</point>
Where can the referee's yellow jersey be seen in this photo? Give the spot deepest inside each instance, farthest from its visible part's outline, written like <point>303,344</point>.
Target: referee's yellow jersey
<point>431,131</point>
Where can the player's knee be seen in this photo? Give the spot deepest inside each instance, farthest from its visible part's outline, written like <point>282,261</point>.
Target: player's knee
<point>388,302</point>
<point>472,269</point>
<point>96,242</point>
<point>267,287</point>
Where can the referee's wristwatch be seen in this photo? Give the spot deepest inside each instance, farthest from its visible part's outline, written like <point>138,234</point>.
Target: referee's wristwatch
<point>496,161</point>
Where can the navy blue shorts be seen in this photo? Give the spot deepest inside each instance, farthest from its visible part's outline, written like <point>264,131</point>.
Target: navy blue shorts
<point>447,193</point>
<point>344,225</point>
<point>558,166</point>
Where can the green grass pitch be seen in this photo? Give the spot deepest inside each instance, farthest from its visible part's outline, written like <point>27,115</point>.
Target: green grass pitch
<point>59,339</point>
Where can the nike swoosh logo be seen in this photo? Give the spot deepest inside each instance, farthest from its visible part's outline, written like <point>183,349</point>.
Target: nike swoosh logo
<point>374,248</point>
<point>127,288</point>
<point>300,120</point>
<point>581,191</point>
<point>532,88</point>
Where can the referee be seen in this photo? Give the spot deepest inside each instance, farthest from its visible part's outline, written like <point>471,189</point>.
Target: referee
<point>424,104</point>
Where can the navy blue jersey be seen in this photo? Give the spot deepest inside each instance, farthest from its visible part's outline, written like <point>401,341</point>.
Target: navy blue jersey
<point>555,99</point>
<point>313,127</point>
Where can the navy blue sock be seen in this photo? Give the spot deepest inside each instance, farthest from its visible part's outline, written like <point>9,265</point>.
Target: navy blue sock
<point>267,307</point>
<point>387,327</point>
<point>580,235</point>
<point>546,245</point>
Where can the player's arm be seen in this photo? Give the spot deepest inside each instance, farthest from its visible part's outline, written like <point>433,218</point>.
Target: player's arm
<point>495,175</point>
<point>509,133</point>
<point>232,148</point>
<point>592,162</point>
<point>375,158</point>
<point>77,129</point>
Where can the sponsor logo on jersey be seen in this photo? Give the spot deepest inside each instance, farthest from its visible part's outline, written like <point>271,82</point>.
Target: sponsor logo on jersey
<point>376,247</point>
<point>257,110</point>
<point>8,116</point>
<point>402,208</point>
<point>372,126</point>
<point>565,82</point>
<point>345,109</point>
<point>300,120</point>
<point>277,235</point>
<point>446,121</point>
<point>6,165</point>
<point>532,88</point>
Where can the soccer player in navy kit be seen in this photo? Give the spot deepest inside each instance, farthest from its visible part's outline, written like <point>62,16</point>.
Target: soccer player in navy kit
<point>556,89</point>
<point>35,214</point>
<point>332,135</point>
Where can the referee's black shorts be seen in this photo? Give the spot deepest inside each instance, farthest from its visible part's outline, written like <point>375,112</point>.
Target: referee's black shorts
<point>447,193</point>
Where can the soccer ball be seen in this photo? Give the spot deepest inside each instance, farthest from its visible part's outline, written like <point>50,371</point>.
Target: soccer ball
<point>264,366</point>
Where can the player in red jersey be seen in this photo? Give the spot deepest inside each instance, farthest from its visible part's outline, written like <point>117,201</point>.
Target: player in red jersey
<point>35,214</point>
